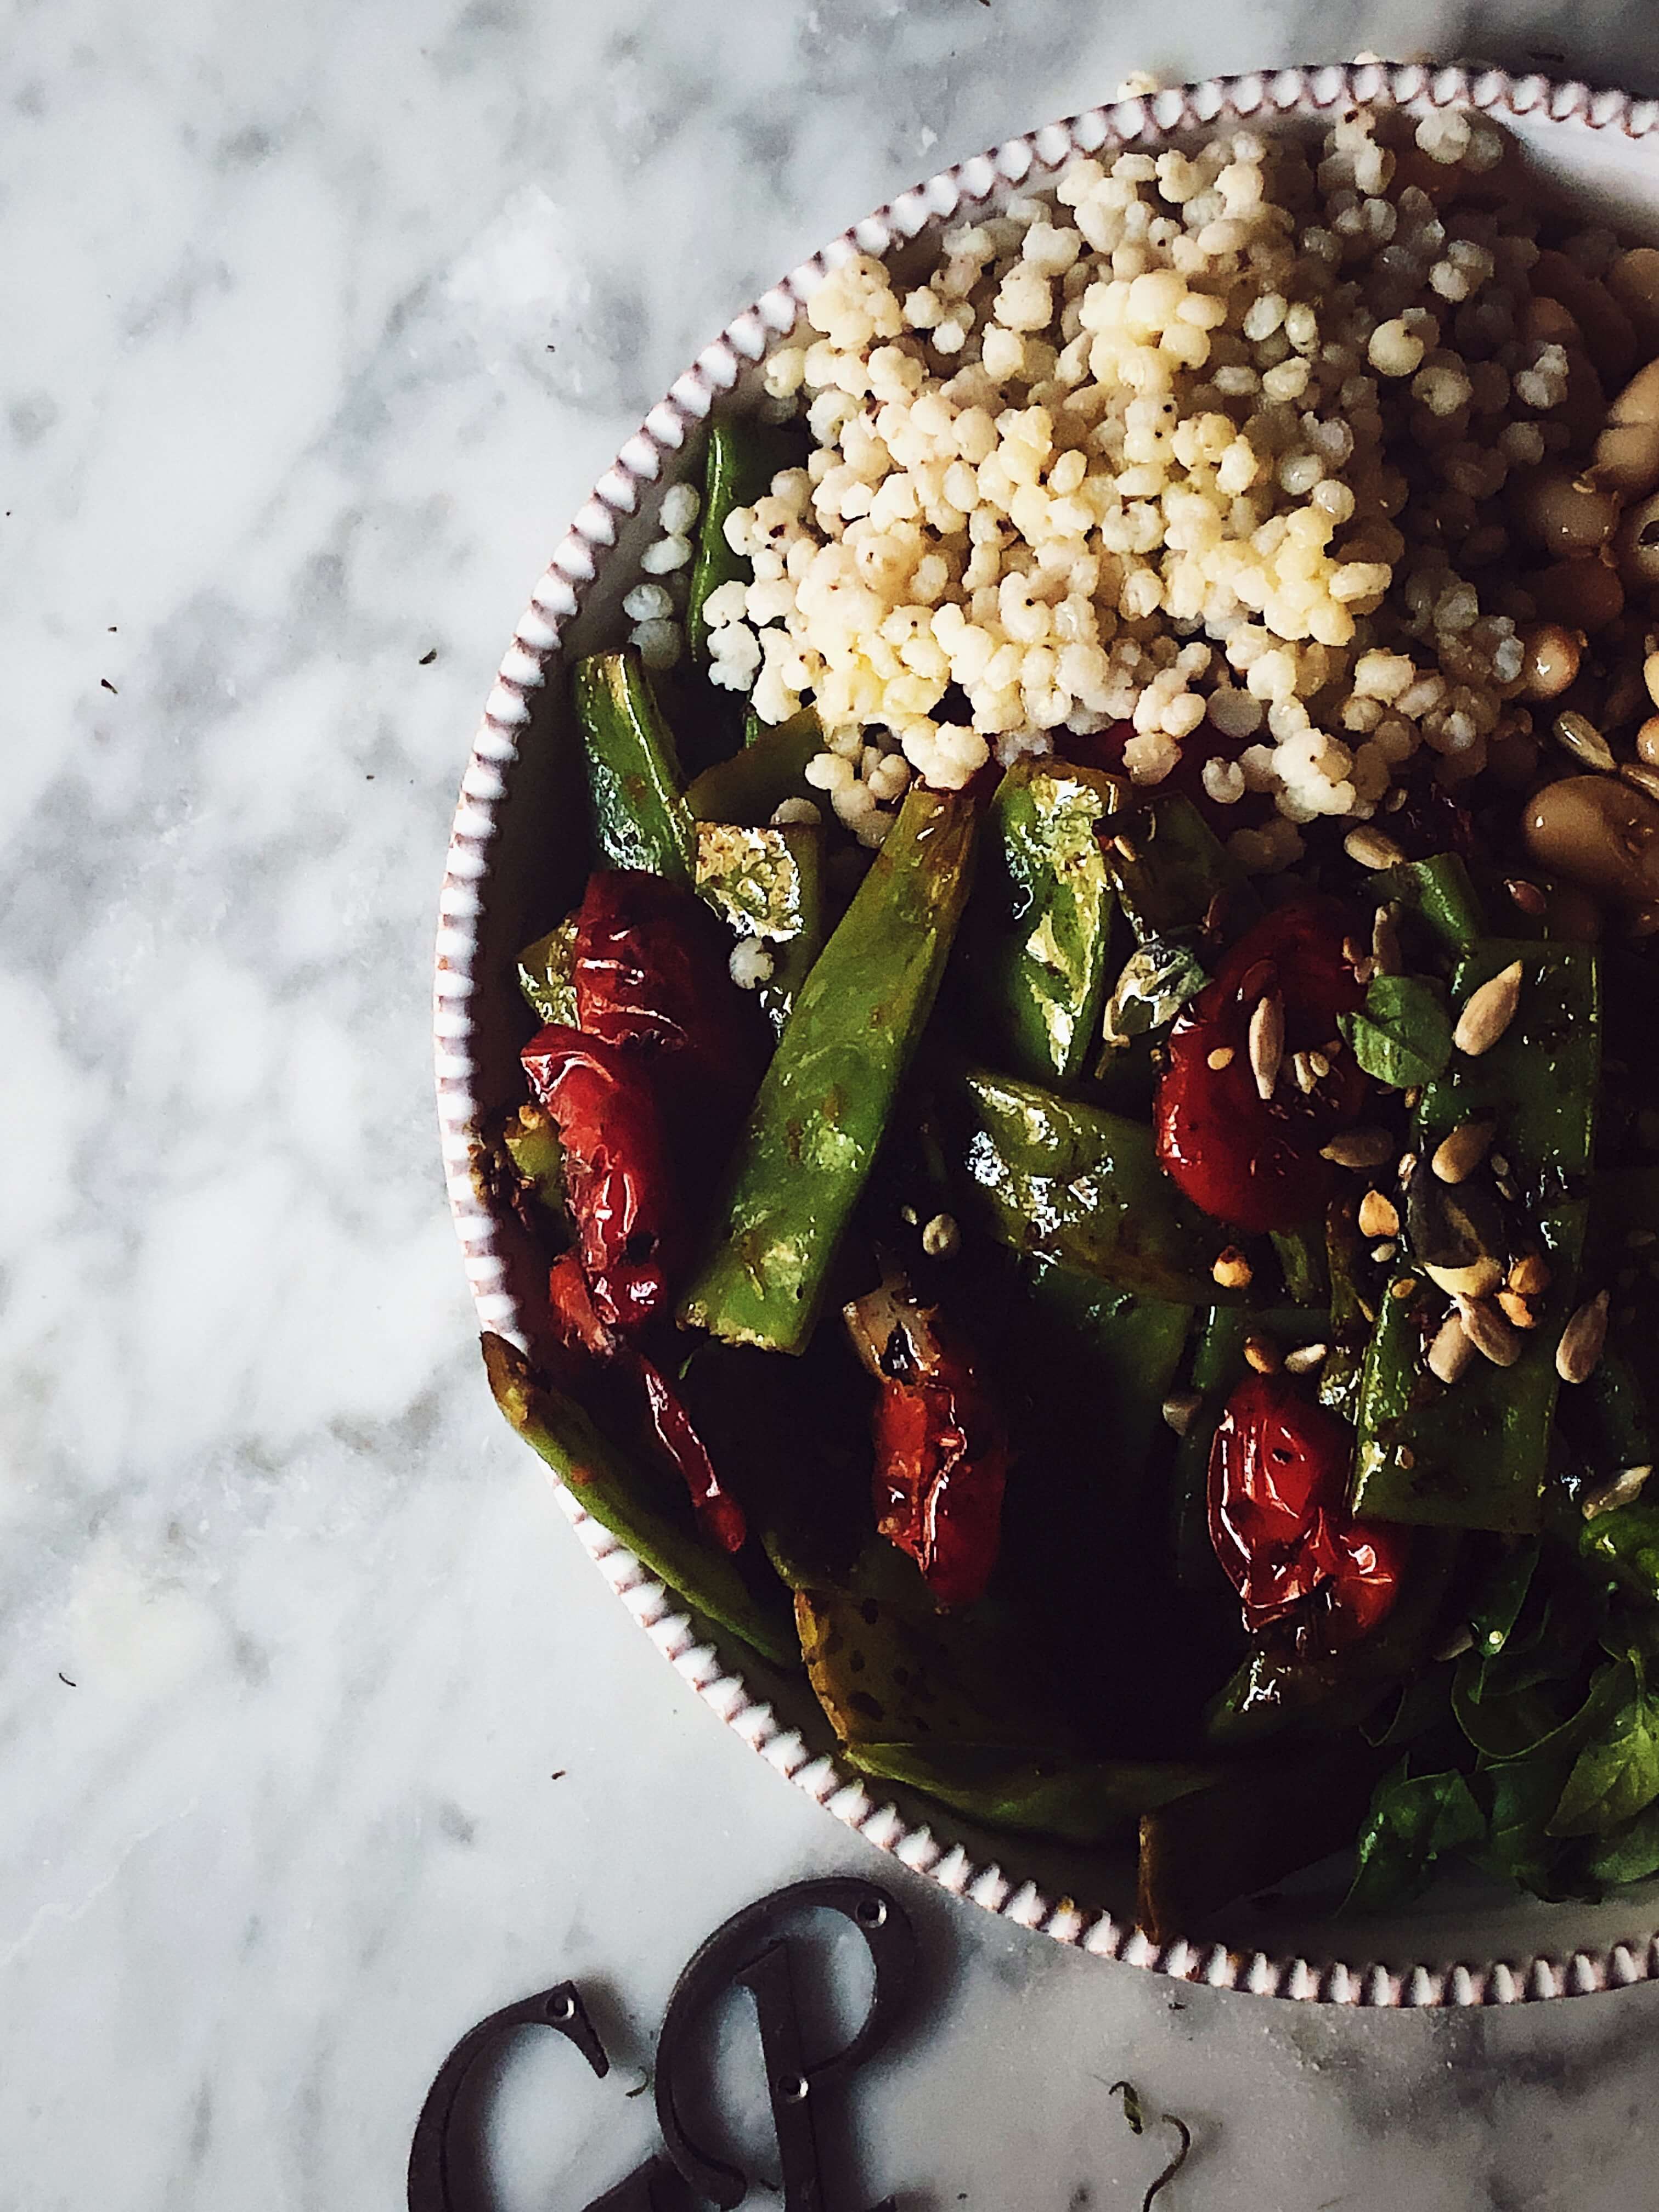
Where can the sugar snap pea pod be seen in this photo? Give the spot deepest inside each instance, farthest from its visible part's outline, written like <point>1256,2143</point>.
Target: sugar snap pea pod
<point>1257,1823</point>
<point>1275,1689</point>
<point>768,883</point>
<point>1052,1175</point>
<point>751,786</point>
<point>1351,1316</point>
<point>1171,868</point>
<point>824,1104</point>
<point>1038,936</point>
<point>546,974</point>
<point>1302,1262</point>
<point>634,781</point>
<point>1473,1454</point>
<point>1440,893</point>
<point>1078,1801</point>
<point>743,456</point>
<point>632,1504</point>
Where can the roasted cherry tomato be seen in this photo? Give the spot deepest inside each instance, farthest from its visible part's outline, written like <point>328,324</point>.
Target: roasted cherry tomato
<point>941,1446</point>
<point>1249,1160</point>
<point>618,1180</point>
<point>1280,1521</point>
<point>582,1330</point>
<point>651,972</point>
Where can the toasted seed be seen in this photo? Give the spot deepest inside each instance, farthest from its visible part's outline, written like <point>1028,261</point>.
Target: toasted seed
<point>1232,1269</point>
<point>1406,1169</point>
<point>1641,775</point>
<point>1516,1309</point>
<point>941,1237</point>
<point>1384,1252</point>
<point>1267,1042</point>
<point>1580,1348</point>
<point>1626,1485</point>
<point>1305,1358</point>
<point>1301,1068</point>
<point>1220,1058</point>
<point>1403,1288</point>
<point>1461,1151</point>
<point>1372,848</point>
<point>1530,1275</point>
<point>1491,1336</point>
<point>1500,1165</point>
<point>1359,1148</point>
<point>1320,1065</point>
<point>1451,1351</point>
<point>1578,736</point>
<point>1488,1012</point>
<point>1261,1353</point>
<point>1179,1409</point>
<point>1378,1216</point>
<point>1528,897</point>
<point>1125,850</point>
<point>1414,1091</point>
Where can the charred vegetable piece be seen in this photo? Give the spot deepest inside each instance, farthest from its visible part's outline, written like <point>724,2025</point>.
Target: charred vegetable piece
<point>1152,986</point>
<point>1472,1454</point>
<point>545,977</point>
<point>826,1098</point>
<point>1076,1799</point>
<point>1442,896</point>
<point>637,1506</point>
<point>1039,936</point>
<point>1351,1316</point>
<point>749,787</point>
<point>1255,1825</point>
<point>652,974</point>
<point>1171,869</point>
<point>888,1668</point>
<point>532,1143</point>
<point>633,782</point>
<point>1279,1523</point>
<point>941,1445</point>
<point>618,1176</point>
<point>1278,1687</point>
<point>743,456</point>
<point>1278,994</point>
<point>1057,1178</point>
<point>768,883</point>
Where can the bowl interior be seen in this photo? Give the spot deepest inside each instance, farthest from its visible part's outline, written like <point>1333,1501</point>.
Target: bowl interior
<point>535,872</point>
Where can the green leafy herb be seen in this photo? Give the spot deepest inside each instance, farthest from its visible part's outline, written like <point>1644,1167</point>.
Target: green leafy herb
<point>1616,1775</point>
<point>1625,1543</point>
<point>1414,1820</point>
<point>1629,1854</point>
<point>1403,1034</point>
<point>1499,1599</point>
<point>1155,984</point>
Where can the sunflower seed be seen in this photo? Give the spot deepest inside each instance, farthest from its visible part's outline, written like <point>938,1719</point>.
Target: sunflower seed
<point>1359,1148</point>
<point>1576,735</point>
<point>1320,1065</point>
<point>1451,1351</point>
<point>1372,848</point>
<point>1527,897</point>
<point>1530,1275</point>
<point>1458,1154</point>
<point>1580,1348</point>
<point>1385,940</point>
<point>1488,1012</point>
<point>1262,1354</point>
<point>1626,1485</point>
<point>1301,1068</point>
<point>1384,1252</point>
<point>1267,1042</point>
<point>1641,776</point>
<point>1305,1358</point>
<point>1179,1410</point>
<point>1490,1334</point>
<point>1378,1216</point>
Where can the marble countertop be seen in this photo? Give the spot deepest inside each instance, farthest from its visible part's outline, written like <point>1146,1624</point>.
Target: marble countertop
<point>322,1738</point>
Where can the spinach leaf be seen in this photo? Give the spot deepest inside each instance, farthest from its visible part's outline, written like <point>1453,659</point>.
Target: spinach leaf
<point>1423,1703</point>
<point>1500,1597</point>
<point>1625,1545</point>
<point>1616,1775</point>
<point>1414,1820</point>
<point>1403,1034</point>
<point>1520,1795</point>
<point>1629,1854</point>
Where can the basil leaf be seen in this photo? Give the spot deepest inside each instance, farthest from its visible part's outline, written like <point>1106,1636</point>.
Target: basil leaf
<point>1403,1035</point>
<point>1629,1854</point>
<point>1616,1775</point>
<point>1412,1821</point>
<point>1155,984</point>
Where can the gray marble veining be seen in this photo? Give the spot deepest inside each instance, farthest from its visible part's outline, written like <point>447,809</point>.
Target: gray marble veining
<point>321,1738</point>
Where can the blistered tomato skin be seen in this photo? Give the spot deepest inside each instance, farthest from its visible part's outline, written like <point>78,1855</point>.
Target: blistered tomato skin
<point>941,1468</point>
<point>1254,1161</point>
<point>1279,1523</point>
<point>618,1178</point>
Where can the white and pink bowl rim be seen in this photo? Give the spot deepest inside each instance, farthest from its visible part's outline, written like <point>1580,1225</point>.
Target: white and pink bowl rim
<point>1605,143</point>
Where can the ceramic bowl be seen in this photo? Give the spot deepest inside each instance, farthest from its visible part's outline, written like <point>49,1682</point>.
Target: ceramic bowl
<point>1470,1942</point>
